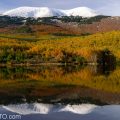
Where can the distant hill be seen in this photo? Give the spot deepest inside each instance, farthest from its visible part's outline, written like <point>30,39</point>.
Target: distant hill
<point>93,25</point>
<point>71,24</point>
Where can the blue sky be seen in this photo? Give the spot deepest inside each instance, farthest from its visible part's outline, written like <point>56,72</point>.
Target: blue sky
<point>108,7</point>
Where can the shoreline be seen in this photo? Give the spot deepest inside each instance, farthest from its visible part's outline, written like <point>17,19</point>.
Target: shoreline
<point>44,64</point>
<point>51,64</point>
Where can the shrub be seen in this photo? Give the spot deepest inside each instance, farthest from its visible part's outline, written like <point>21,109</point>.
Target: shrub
<point>24,29</point>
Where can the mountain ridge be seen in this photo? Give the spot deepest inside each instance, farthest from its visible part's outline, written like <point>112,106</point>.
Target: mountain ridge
<point>49,12</point>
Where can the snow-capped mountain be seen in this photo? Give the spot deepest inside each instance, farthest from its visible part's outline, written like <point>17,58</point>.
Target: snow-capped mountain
<point>81,11</point>
<point>49,12</point>
<point>39,108</point>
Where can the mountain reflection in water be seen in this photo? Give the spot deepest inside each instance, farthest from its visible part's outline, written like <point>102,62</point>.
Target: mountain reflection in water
<point>38,111</point>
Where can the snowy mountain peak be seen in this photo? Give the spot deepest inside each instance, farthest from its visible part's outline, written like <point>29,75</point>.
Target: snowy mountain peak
<point>82,11</point>
<point>49,12</point>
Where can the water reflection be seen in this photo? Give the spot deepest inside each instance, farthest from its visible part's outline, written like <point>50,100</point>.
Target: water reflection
<point>102,69</point>
<point>39,111</point>
<point>49,108</point>
<point>60,84</point>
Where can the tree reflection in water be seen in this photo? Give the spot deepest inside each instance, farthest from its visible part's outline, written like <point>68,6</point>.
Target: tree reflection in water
<point>65,84</point>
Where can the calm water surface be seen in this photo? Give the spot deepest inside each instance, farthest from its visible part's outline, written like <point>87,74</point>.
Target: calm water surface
<point>61,92</point>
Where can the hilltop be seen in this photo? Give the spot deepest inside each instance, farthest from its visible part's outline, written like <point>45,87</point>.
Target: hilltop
<point>50,12</point>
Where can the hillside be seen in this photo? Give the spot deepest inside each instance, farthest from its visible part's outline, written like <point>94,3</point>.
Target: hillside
<point>75,25</point>
<point>53,40</point>
<point>33,49</point>
<point>104,25</point>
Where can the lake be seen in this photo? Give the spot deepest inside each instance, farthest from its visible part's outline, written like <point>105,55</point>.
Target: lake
<point>52,92</point>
